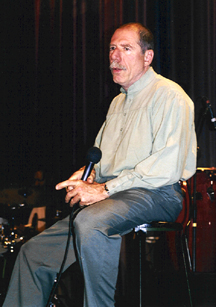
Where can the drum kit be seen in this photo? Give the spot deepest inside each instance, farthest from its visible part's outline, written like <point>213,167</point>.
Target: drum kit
<point>16,205</point>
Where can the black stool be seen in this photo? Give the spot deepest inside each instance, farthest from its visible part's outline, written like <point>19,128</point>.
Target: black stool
<point>142,231</point>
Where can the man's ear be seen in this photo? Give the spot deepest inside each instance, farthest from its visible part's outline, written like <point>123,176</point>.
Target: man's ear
<point>148,57</point>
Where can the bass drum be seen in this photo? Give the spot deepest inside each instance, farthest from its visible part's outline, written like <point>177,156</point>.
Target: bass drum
<point>205,250</point>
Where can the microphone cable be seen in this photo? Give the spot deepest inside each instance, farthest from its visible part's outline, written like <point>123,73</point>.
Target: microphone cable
<point>75,210</point>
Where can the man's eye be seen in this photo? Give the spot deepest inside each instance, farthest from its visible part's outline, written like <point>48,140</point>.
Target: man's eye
<point>127,48</point>
<point>112,48</point>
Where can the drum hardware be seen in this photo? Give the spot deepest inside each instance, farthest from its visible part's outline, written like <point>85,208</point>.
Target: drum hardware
<point>3,224</point>
<point>58,213</point>
<point>11,237</point>
<point>210,192</point>
<point>10,241</point>
<point>58,216</point>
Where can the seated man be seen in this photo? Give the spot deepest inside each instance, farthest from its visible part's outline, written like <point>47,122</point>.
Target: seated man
<point>148,144</point>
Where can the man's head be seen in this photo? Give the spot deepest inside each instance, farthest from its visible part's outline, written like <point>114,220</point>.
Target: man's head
<point>131,53</point>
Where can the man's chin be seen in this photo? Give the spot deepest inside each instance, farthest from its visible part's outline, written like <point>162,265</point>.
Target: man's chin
<point>117,80</point>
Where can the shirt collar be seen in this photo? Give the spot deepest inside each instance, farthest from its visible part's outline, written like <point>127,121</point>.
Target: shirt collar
<point>140,84</point>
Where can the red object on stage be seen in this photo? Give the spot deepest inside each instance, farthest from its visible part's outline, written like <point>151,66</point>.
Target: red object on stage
<point>205,220</point>
<point>205,223</point>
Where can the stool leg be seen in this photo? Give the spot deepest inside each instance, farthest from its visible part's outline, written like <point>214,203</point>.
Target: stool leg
<point>142,242</point>
<point>186,271</point>
<point>140,270</point>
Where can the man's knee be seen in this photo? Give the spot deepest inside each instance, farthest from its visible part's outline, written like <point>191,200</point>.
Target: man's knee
<point>31,247</point>
<point>83,222</point>
<point>26,248</point>
<point>90,221</point>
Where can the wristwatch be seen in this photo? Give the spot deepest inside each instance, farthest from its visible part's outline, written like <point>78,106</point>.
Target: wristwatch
<point>106,189</point>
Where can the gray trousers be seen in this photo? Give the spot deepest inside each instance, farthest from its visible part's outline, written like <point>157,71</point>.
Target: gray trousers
<point>98,230</point>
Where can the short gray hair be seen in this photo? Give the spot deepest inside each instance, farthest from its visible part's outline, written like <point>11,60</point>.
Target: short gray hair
<point>146,41</point>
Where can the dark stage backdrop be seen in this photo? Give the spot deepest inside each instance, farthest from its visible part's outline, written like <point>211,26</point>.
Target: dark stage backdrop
<point>56,85</point>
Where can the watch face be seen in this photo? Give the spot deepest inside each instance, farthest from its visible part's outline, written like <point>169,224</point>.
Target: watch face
<point>105,187</point>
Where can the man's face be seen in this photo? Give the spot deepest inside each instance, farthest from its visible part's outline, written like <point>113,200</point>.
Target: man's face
<point>127,62</point>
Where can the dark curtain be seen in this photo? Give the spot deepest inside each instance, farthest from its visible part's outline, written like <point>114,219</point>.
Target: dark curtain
<point>55,82</point>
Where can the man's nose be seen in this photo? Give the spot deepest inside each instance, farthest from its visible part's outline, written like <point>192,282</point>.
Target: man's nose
<point>115,54</point>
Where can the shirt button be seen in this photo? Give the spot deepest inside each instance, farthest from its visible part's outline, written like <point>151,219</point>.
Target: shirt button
<point>121,129</point>
<point>125,114</point>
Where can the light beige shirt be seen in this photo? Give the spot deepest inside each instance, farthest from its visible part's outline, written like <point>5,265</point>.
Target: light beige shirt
<point>148,138</point>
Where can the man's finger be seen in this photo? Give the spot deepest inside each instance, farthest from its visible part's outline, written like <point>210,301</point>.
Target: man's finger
<point>71,194</point>
<point>65,184</point>
<point>74,200</point>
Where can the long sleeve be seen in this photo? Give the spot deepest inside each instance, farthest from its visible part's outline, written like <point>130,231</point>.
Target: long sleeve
<point>148,143</point>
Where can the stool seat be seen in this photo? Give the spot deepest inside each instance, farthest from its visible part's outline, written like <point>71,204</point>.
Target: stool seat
<point>160,226</point>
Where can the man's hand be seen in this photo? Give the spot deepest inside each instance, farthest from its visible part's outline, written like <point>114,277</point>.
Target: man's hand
<point>78,175</point>
<point>84,192</point>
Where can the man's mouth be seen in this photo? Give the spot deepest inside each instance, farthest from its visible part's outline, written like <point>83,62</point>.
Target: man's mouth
<point>116,67</point>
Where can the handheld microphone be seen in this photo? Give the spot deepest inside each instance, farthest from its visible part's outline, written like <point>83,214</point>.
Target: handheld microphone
<point>213,119</point>
<point>93,156</point>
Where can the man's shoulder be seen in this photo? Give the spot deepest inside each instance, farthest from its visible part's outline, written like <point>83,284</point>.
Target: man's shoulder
<point>162,81</point>
<point>156,82</point>
<point>169,87</point>
<point>165,92</point>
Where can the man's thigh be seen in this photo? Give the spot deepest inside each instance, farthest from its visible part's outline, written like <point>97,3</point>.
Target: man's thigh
<point>123,211</point>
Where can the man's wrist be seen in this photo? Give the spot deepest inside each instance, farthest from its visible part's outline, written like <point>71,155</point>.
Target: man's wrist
<point>106,189</point>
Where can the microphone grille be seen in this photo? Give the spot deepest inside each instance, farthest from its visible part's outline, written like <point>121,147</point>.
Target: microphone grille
<point>94,155</point>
